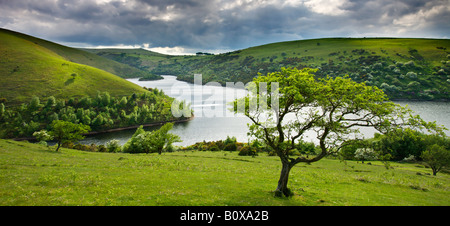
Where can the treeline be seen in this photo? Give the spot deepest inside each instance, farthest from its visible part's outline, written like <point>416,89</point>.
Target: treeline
<point>251,148</point>
<point>101,113</point>
<point>398,145</point>
<point>410,78</point>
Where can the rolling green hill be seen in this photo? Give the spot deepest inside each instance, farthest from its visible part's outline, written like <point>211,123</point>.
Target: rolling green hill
<point>404,68</point>
<point>35,67</point>
<point>83,57</point>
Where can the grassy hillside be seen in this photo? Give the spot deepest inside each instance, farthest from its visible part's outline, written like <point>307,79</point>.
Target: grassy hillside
<point>83,57</point>
<point>138,58</point>
<point>403,68</point>
<point>31,66</point>
<point>33,174</point>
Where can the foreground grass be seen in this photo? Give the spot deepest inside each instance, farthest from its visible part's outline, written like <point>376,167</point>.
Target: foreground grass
<point>31,174</point>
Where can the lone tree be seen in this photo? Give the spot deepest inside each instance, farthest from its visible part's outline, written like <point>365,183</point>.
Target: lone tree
<point>63,131</point>
<point>285,106</point>
<point>437,157</point>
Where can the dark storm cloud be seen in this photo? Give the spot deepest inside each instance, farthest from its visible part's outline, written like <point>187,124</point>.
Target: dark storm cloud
<point>221,24</point>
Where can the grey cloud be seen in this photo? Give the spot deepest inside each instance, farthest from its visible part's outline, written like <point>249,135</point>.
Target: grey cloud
<point>211,24</point>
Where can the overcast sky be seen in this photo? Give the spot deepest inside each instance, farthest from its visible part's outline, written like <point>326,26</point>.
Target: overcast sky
<point>188,26</point>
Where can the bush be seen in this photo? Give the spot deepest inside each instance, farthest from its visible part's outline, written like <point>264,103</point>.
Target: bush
<point>67,144</point>
<point>81,147</point>
<point>113,146</point>
<point>230,147</point>
<point>229,140</point>
<point>92,147</point>
<point>365,154</point>
<point>247,151</point>
<point>402,143</point>
<point>102,148</point>
<point>213,148</point>
<point>151,141</point>
<point>410,158</point>
<point>42,135</point>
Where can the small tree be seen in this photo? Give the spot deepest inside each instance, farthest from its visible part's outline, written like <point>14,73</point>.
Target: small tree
<point>365,154</point>
<point>51,101</point>
<point>34,103</point>
<point>437,157</point>
<point>63,131</point>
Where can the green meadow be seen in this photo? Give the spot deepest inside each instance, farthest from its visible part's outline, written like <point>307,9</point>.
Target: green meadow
<point>36,175</point>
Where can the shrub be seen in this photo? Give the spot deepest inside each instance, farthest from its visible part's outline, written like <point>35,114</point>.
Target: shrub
<point>113,146</point>
<point>230,147</point>
<point>80,147</point>
<point>151,141</point>
<point>213,148</point>
<point>402,143</point>
<point>102,148</point>
<point>365,154</point>
<point>229,140</point>
<point>410,158</point>
<point>42,135</point>
<point>92,147</point>
<point>247,151</point>
<point>67,144</point>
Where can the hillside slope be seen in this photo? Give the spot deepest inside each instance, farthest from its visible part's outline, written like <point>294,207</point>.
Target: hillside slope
<point>35,67</point>
<point>83,57</point>
<point>405,68</point>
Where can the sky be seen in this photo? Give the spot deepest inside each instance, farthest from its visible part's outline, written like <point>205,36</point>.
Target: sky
<point>218,26</point>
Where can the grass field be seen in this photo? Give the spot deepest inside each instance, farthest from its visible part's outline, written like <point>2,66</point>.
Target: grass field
<point>35,175</point>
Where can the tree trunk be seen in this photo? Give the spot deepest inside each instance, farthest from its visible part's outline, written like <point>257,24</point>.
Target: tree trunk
<point>59,145</point>
<point>434,171</point>
<point>282,188</point>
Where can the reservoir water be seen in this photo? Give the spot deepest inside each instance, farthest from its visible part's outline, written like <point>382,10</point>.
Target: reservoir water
<point>213,121</point>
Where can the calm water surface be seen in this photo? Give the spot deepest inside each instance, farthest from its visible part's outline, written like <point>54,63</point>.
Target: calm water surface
<point>214,122</point>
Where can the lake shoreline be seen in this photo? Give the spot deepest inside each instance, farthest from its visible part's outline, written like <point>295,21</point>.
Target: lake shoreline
<point>118,129</point>
<point>137,126</point>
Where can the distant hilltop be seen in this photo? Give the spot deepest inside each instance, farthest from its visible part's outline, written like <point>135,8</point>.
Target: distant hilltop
<point>405,68</point>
